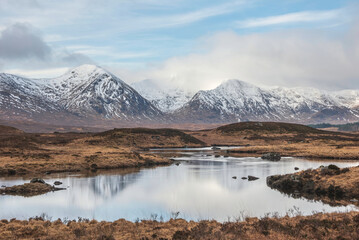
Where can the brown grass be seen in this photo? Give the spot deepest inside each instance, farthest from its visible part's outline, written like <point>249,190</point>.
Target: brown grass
<point>288,139</point>
<point>329,184</point>
<point>29,189</point>
<point>25,153</point>
<point>318,226</point>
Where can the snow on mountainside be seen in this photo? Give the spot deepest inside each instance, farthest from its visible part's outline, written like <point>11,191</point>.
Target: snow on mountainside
<point>164,98</point>
<point>86,92</point>
<point>90,94</point>
<point>91,90</point>
<point>236,100</point>
<point>23,98</point>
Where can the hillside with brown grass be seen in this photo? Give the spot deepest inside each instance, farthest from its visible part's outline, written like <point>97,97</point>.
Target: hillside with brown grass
<point>30,153</point>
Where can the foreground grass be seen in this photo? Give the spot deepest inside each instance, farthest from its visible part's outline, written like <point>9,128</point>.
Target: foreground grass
<point>318,226</point>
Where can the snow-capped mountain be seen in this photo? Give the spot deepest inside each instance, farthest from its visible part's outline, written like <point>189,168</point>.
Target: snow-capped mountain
<point>88,95</point>
<point>22,99</point>
<point>167,99</point>
<point>236,100</point>
<point>90,90</point>
<point>87,92</point>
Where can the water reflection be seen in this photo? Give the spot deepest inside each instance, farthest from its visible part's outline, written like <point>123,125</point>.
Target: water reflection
<point>201,187</point>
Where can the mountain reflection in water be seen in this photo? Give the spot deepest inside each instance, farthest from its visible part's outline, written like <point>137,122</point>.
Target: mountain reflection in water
<point>201,187</point>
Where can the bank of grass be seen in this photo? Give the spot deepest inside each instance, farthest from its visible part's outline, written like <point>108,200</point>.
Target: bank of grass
<point>329,184</point>
<point>317,226</point>
<point>288,139</point>
<point>316,149</point>
<point>74,157</point>
<point>27,153</point>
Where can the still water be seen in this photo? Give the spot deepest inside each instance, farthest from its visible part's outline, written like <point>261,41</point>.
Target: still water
<point>201,187</point>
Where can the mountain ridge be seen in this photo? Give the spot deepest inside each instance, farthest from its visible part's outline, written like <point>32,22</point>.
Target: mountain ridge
<point>91,96</point>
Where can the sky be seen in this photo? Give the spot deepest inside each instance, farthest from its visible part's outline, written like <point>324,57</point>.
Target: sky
<point>192,44</point>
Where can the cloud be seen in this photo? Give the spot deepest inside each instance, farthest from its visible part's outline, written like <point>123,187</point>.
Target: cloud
<point>324,58</point>
<point>19,41</point>
<point>190,17</point>
<point>76,58</point>
<point>297,17</point>
<point>10,4</point>
<point>23,51</point>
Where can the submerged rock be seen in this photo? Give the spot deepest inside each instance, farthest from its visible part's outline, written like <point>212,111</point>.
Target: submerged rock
<point>234,177</point>
<point>244,178</point>
<point>272,156</point>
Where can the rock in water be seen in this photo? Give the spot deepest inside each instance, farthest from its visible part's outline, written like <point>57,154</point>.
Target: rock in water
<point>273,156</point>
<point>252,178</point>
<point>37,180</point>
<point>57,183</point>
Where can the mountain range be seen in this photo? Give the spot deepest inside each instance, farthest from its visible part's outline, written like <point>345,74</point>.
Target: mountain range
<point>91,96</point>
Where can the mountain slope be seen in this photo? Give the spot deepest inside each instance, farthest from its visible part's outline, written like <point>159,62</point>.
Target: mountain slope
<point>22,99</point>
<point>91,91</point>
<point>236,100</point>
<point>86,94</point>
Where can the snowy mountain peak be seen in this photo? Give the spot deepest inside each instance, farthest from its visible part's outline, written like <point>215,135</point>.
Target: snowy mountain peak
<point>167,99</point>
<point>82,74</point>
<point>235,83</point>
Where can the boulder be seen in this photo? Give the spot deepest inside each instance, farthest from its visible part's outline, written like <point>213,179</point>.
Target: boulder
<point>252,178</point>
<point>272,156</point>
<point>37,180</point>
<point>234,177</point>
<point>57,183</point>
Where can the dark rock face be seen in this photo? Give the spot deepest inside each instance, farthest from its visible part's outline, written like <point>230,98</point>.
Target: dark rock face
<point>271,156</point>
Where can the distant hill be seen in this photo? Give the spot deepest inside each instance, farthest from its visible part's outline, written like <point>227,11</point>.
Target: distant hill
<point>272,127</point>
<point>147,137</point>
<point>349,127</point>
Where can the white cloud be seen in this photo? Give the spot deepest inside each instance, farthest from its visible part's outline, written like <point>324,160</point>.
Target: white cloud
<point>297,17</point>
<point>43,73</point>
<point>323,59</point>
